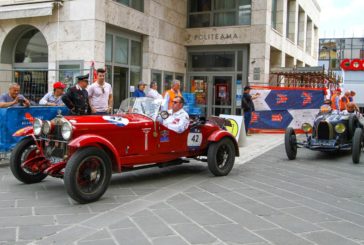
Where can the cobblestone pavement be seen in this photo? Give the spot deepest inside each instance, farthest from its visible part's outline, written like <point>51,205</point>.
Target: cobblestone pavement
<point>316,199</point>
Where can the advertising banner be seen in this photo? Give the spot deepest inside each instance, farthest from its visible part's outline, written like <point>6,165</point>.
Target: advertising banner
<point>278,107</point>
<point>15,118</point>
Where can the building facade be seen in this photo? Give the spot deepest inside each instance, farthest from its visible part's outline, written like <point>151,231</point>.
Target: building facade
<point>214,47</point>
<point>345,57</point>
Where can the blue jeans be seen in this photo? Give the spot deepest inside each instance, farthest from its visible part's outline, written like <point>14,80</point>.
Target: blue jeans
<point>247,119</point>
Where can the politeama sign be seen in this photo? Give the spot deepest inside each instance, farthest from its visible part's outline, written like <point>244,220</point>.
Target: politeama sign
<point>352,65</point>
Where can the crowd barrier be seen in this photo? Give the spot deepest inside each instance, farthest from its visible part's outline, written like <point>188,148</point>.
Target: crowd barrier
<point>15,118</point>
<point>277,108</point>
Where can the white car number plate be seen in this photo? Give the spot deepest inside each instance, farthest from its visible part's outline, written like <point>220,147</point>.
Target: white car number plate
<point>194,139</point>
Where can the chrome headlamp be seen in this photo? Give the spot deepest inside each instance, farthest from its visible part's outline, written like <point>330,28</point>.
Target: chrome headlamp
<point>66,130</point>
<point>340,128</point>
<point>37,126</point>
<point>47,127</point>
<point>306,127</point>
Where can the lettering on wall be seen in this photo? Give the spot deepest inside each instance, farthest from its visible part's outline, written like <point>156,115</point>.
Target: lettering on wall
<point>214,36</point>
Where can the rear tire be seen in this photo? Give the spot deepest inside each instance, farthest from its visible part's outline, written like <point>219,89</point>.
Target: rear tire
<point>221,157</point>
<point>290,143</point>
<point>87,174</point>
<point>23,151</point>
<point>357,145</point>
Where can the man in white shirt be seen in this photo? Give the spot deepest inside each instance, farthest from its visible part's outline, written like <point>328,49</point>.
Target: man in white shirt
<point>100,95</point>
<point>178,120</point>
<point>153,92</point>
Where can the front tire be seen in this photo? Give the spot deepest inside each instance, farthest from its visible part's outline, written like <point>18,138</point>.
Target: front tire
<point>290,143</point>
<point>357,145</point>
<point>87,174</point>
<point>23,151</point>
<point>221,157</point>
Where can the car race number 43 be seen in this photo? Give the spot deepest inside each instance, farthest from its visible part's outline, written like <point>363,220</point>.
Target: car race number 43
<point>194,138</point>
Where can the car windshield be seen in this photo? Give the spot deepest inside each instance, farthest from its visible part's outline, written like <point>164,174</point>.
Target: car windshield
<point>142,105</point>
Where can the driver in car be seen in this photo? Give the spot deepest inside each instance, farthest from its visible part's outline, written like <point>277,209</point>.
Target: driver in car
<point>178,119</point>
<point>350,108</point>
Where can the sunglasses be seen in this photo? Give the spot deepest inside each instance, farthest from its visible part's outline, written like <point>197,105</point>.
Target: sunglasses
<point>103,90</point>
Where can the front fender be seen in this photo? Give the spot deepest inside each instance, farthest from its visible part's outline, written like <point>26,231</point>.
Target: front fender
<point>218,135</point>
<point>24,131</point>
<point>95,140</point>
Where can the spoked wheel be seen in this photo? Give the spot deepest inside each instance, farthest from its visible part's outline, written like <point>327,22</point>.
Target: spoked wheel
<point>221,157</point>
<point>357,145</point>
<point>25,150</point>
<point>290,143</point>
<point>87,174</point>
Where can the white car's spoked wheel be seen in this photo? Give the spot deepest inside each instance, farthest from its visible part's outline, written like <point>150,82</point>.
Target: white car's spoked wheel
<point>290,143</point>
<point>23,151</point>
<point>87,174</point>
<point>221,157</point>
<point>357,145</point>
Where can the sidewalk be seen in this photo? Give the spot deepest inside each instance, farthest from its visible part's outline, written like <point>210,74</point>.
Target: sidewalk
<point>258,144</point>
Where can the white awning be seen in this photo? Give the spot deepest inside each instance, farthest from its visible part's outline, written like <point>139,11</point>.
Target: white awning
<point>25,10</point>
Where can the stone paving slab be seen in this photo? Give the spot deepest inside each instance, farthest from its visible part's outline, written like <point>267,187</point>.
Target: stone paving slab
<point>315,199</point>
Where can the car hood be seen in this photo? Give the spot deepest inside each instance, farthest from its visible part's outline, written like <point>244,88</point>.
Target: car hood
<point>112,120</point>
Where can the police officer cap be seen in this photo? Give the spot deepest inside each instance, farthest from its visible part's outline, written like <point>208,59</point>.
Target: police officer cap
<point>82,78</point>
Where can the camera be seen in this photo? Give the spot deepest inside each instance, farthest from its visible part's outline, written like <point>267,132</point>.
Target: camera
<point>21,102</point>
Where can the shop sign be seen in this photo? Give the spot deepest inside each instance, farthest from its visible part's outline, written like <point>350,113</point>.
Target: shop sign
<point>215,36</point>
<point>352,65</point>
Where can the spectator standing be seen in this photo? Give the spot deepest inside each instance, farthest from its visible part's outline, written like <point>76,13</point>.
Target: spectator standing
<point>335,99</point>
<point>54,98</point>
<point>344,100</point>
<point>248,107</point>
<point>13,98</point>
<point>76,98</point>
<point>153,92</point>
<point>139,92</point>
<point>171,94</point>
<point>100,95</point>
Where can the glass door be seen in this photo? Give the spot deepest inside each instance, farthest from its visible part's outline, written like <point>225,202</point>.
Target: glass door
<point>221,95</point>
<point>199,86</point>
<point>120,85</point>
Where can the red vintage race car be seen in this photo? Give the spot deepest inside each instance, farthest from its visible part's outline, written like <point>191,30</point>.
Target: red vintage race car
<point>86,150</point>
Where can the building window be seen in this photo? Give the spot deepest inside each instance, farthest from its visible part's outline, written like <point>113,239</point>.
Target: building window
<point>135,4</point>
<point>123,58</point>
<point>205,13</point>
<point>31,48</point>
<point>274,14</point>
<point>214,61</point>
<point>68,71</point>
<point>166,83</point>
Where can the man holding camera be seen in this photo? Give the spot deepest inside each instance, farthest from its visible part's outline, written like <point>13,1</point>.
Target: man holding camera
<point>13,98</point>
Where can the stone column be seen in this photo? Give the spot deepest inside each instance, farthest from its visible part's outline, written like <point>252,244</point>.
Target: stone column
<point>301,32</point>
<point>259,46</point>
<point>292,13</point>
<point>309,37</point>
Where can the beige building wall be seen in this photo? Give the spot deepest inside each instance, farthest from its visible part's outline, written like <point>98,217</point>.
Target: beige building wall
<point>76,31</point>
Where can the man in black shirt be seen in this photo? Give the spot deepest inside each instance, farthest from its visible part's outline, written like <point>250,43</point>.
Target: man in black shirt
<point>76,98</point>
<point>248,107</point>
